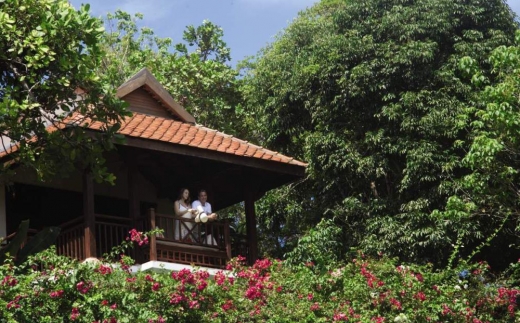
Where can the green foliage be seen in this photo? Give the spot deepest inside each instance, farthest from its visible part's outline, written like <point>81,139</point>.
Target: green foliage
<point>321,246</point>
<point>50,288</point>
<point>12,248</point>
<point>489,190</point>
<point>371,95</point>
<point>48,50</point>
<point>200,80</point>
<point>20,249</point>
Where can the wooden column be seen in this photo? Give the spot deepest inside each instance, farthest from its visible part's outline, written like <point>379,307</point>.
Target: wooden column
<point>134,209</point>
<point>153,239</point>
<point>252,240</point>
<point>88,214</point>
<point>133,194</point>
<point>227,239</point>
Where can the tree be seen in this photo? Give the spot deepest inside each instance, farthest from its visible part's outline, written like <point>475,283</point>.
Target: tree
<point>49,53</point>
<point>200,80</point>
<point>370,94</point>
<point>490,192</point>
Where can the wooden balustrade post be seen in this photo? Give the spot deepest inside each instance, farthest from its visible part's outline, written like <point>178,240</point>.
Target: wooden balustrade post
<point>134,202</point>
<point>252,240</point>
<point>227,239</point>
<point>88,214</point>
<point>153,239</point>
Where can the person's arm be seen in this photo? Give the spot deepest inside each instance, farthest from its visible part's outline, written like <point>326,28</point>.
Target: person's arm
<point>178,211</point>
<point>211,216</point>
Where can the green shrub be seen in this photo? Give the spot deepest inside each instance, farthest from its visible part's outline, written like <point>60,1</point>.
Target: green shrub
<point>50,288</point>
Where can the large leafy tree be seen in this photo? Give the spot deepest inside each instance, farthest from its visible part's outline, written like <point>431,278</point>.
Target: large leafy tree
<point>49,53</point>
<point>490,192</point>
<point>370,94</point>
<point>201,79</point>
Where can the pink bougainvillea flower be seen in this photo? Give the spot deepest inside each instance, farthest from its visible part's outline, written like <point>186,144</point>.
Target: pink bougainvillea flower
<point>74,314</point>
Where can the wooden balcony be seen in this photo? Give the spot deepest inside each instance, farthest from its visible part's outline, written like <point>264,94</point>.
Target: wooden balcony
<point>183,241</point>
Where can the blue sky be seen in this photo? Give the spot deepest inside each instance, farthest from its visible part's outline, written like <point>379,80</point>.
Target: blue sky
<point>248,24</point>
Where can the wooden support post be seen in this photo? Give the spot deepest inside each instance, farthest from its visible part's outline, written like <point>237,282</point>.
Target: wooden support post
<point>133,194</point>
<point>153,240</point>
<point>252,240</point>
<point>88,214</point>
<point>134,203</point>
<point>227,239</point>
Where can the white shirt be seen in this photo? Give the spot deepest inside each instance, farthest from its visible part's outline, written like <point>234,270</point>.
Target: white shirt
<point>206,207</point>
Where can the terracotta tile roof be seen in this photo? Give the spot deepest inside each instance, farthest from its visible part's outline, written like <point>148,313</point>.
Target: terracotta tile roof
<point>177,132</point>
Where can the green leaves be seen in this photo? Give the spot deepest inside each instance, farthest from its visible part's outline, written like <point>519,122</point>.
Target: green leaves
<point>376,96</point>
<point>198,79</point>
<point>48,50</point>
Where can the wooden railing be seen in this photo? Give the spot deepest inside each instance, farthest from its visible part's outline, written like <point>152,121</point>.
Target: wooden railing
<point>187,231</point>
<point>71,241</point>
<point>185,241</point>
<point>110,232</point>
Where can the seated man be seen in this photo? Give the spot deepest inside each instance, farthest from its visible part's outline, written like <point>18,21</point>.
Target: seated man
<point>203,201</point>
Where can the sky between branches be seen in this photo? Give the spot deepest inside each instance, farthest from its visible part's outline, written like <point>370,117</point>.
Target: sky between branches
<point>248,25</point>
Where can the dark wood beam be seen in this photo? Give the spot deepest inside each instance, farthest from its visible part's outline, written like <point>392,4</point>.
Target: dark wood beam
<point>88,214</point>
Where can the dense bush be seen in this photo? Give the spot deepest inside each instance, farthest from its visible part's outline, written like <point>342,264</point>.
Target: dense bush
<point>50,288</point>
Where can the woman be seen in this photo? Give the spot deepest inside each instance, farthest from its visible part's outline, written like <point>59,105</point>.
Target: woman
<point>182,208</point>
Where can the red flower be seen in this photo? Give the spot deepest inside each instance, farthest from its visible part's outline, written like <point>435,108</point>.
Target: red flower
<point>340,317</point>
<point>9,281</point>
<point>228,305</point>
<point>253,292</point>
<point>82,287</point>
<point>262,264</point>
<point>156,286</point>
<point>420,296</point>
<point>56,294</point>
<point>104,270</point>
<point>137,237</point>
<point>74,313</point>
<point>395,303</point>
<point>201,285</point>
<point>12,304</point>
<point>220,278</point>
<point>194,304</point>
